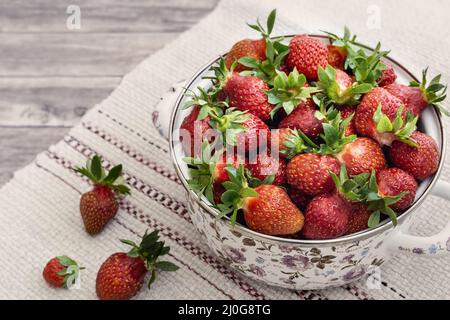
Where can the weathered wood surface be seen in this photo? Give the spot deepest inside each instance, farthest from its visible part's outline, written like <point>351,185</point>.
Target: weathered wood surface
<point>50,76</point>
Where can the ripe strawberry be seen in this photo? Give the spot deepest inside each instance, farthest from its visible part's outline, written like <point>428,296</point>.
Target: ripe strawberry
<point>122,275</point>
<point>309,173</point>
<point>272,212</point>
<point>359,218</point>
<point>218,191</point>
<point>61,272</point>
<point>266,165</point>
<point>347,111</point>
<point>418,96</point>
<point>336,56</point>
<point>307,55</point>
<point>421,161</point>
<point>362,156</point>
<point>381,116</point>
<point>246,48</point>
<point>303,118</point>
<point>193,132</point>
<point>326,217</point>
<point>300,198</point>
<point>99,205</point>
<point>255,135</point>
<point>393,182</point>
<point>388,76</point>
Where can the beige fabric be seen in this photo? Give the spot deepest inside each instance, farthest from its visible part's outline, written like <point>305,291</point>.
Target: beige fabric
<point>39,206</point>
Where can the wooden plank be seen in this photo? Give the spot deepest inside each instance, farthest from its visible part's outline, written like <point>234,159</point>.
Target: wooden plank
<point>20,145</point>
<point>103,15</point>
<point>78,54</point>
<point>50,101</point>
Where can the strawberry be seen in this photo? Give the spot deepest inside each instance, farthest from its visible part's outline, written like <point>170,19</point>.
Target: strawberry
<point>61,272</point>
<point>265,165</point>
<point>267,208</point>
<point>244,92</point>
<point>336,56</point>
<point>421,161</point>
<point>122,275</point>
<point>292,142</point>
<point>418,96</point>
<point>307,54</point>
<point>362,156</point>
<point>255,135</point>
<point>393,182</point>
<point>359,218</point>
<point>303,118</point>
<point>387,76</point>
<point>300,198</point>
<point>382,117</point>
<point>193,132</point>
<point>246,48</point>
<point>100,205</point>
<point>309,173</point>
<point>345,112</point>
<point>326,217</point>
<point>217,190</point>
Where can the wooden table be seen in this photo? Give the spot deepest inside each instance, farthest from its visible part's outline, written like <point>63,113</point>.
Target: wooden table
<point>50,75</point>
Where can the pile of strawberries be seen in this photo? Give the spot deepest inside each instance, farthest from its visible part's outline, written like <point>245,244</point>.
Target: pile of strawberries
<point>347,151</point>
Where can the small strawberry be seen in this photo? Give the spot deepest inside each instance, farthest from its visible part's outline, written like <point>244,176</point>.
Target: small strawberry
<point>267,208</point>
<point>359,218</point>
<point>307,54</point>
<point>393,182</point>
<point>345,112</point>
<point>336,56</point>
<point>255,49</point>
<point>388,76</point>
<point>122,275</point>
<point>193,132</point>
<point>61,272</point>
<point>100,205</point>
<point>338,87</point>
<point>300,198</point>
<point>255,135</point>
<point>265,165</point>
<point>326,217</point>
<point>244,92</point>
<point>421,161</point>
<point>418,96</point>
<point>382,117</point>
<point>309,173</point>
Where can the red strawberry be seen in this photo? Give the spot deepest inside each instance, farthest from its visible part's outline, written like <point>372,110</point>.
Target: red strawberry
<point>347,111</point>
<point>336,56</point>
<point>308,172</point>
<point>326,217</point>
<point>343,80</point>
<point>388,76</point>
<point>100,205</point>
<point>246,48</point>
<point>364,122</point>
<point>256,135</point>
<point>417,96</point>
<point>122,275</point>
<point>265,165</point>
<point>359,218</point>
<point>362,156</point>
<point>300,198</point>
<point>272,212</point>
<point>307,55</point>
<point>218,190</point>
<point>421,161</point>
<point>394,181</point>
<point>193,132</point>
<point>61,272</point>
<point>219,173</point>
<point>303,118</point>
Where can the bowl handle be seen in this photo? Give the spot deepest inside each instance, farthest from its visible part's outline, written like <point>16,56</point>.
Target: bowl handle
<point>434,245</point>
<point>163,111</point>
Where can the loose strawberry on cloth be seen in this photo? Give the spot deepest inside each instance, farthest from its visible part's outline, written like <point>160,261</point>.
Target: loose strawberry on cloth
<point>40,210</point>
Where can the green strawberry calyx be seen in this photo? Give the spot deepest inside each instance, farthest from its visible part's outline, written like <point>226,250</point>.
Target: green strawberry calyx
<point>353,188</point>
<point>289,91</point>
<point>70,272</point>
<point>237,190</point>
<point>434,93</point>
<point>100,177</point>
<point>150,250</point>
<point>331,91</point>
<point>297,142</point>
<point>207,102</point>
<point>230,124</point>
<point>401,128</point>
<point>276,51</point>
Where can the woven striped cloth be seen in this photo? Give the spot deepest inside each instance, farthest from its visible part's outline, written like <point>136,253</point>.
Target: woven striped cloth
<point>39,206</point>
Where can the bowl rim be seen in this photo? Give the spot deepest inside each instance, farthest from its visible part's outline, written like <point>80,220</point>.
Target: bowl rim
<point>362,235</point>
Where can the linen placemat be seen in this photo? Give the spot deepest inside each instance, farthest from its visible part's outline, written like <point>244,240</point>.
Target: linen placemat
<point>39,206</point>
